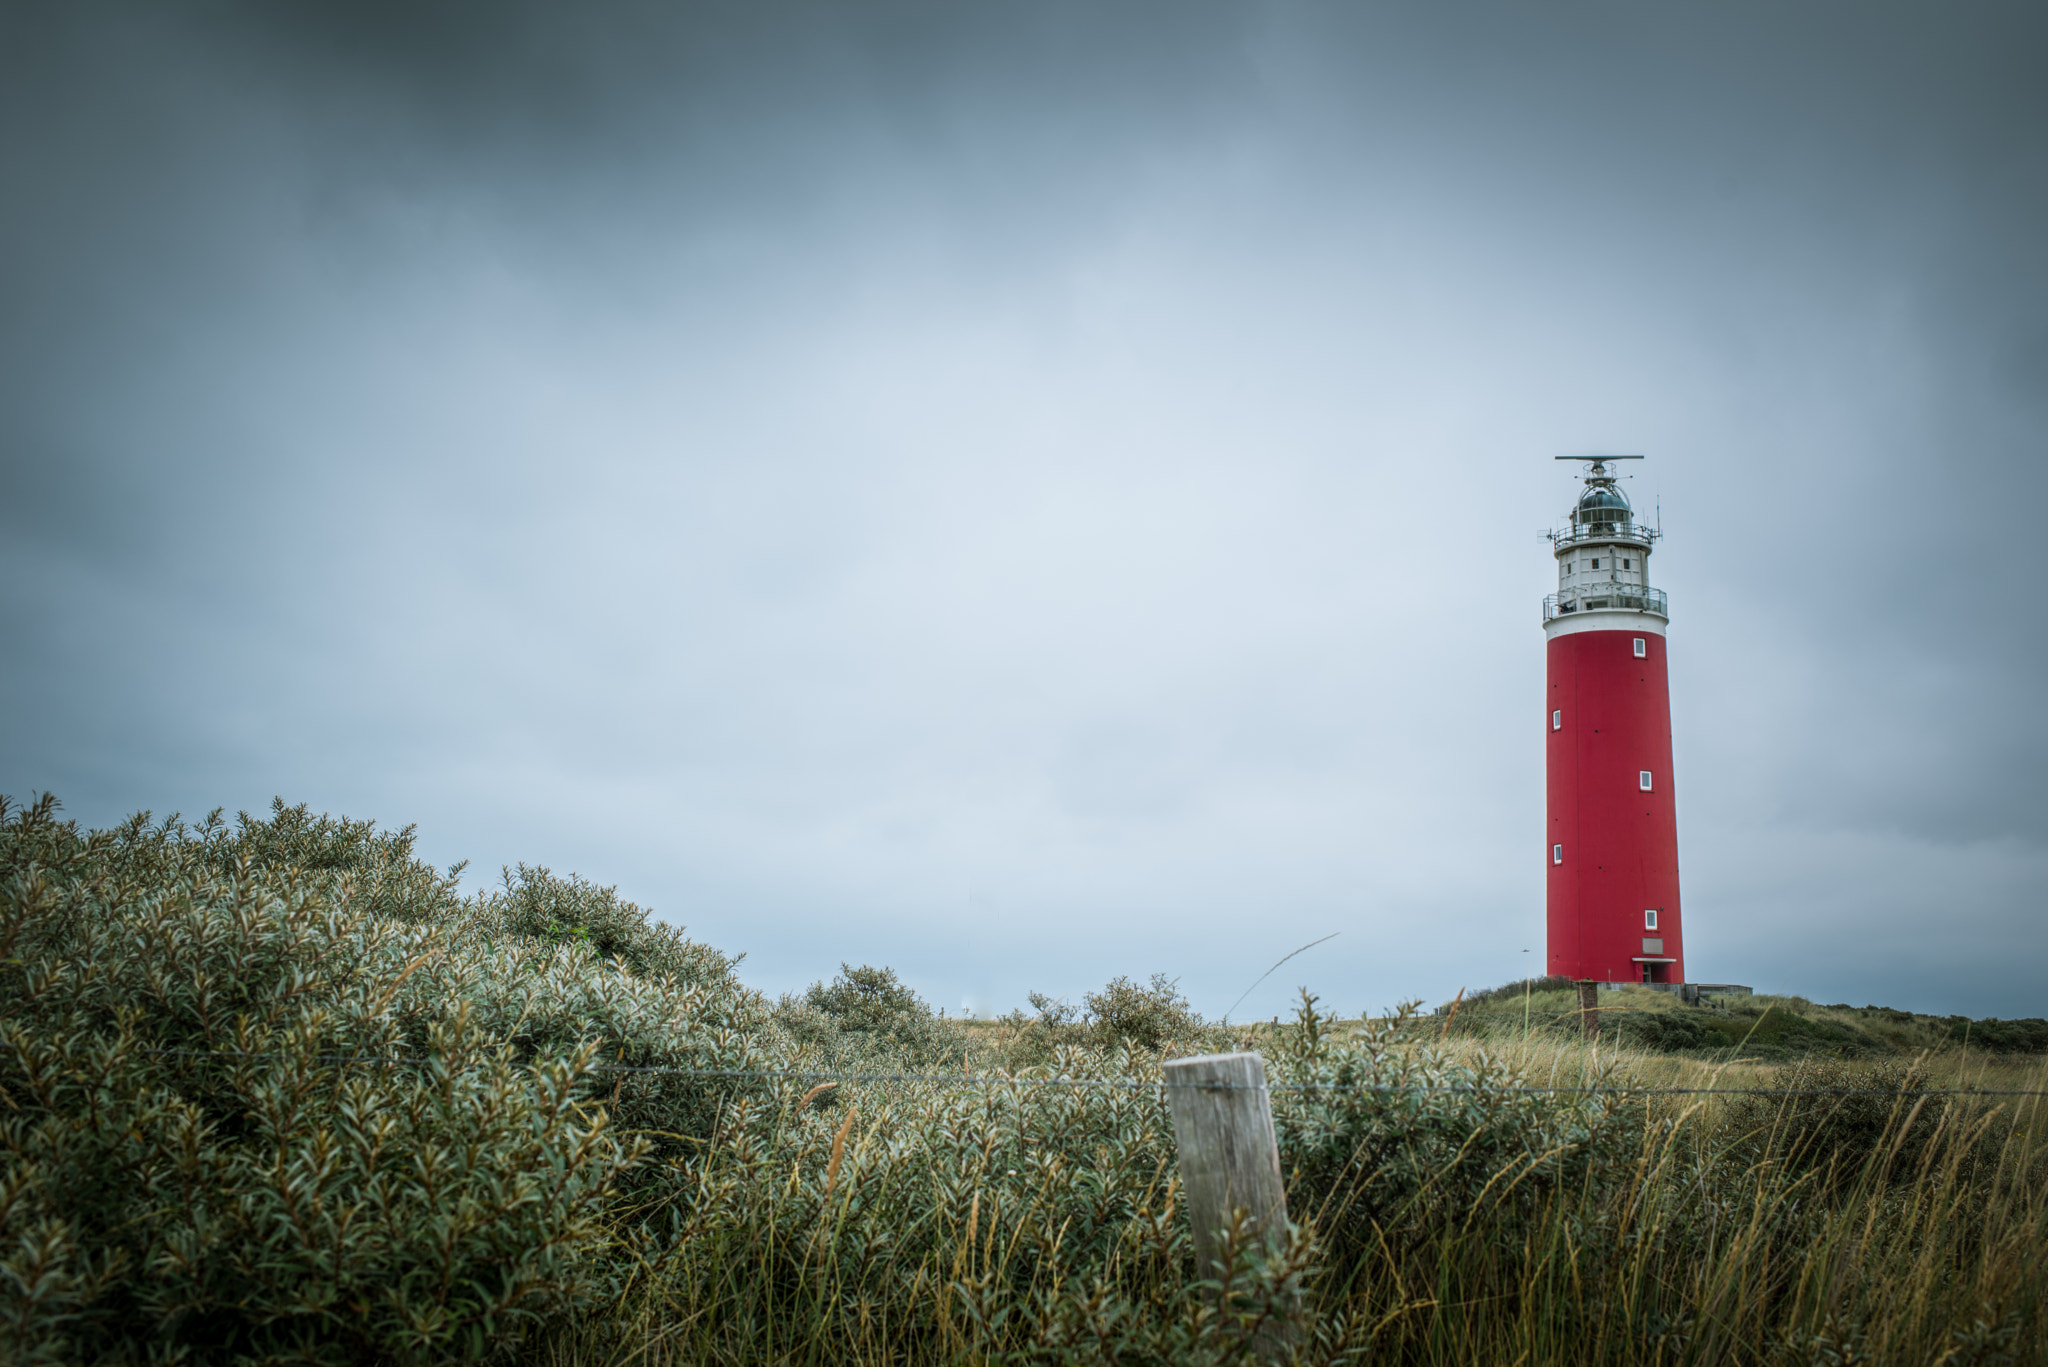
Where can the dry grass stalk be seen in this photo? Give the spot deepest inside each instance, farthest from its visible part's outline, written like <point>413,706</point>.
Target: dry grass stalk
<point>1451,1015</point>
<point>839,1149</point>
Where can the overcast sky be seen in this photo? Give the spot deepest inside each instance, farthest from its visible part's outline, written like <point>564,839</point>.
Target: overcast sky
<point>1031,492</point>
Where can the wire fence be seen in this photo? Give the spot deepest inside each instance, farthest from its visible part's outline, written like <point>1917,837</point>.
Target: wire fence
<point>969,1081</point>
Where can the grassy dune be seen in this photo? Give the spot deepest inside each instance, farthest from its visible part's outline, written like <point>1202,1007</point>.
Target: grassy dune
<point>276,1091</point>
<point>1724,1227</point>
<point>1757,1027</point>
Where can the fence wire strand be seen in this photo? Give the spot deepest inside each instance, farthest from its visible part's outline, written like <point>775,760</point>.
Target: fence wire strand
<point>969,1081</point>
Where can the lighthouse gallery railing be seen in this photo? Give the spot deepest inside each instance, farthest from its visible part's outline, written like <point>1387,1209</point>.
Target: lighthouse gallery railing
<point>1607,597</point>
<point>1628,533</point>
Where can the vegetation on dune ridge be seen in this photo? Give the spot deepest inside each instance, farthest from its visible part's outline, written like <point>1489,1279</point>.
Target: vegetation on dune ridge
<point>276,1091</point>
<point>1759,1027</point>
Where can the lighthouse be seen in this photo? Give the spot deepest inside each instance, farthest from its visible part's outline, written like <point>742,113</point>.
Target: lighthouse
<point>1611,847</point>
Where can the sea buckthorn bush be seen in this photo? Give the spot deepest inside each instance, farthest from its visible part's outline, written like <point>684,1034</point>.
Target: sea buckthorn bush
<point>276,1092</point>
<point>868,1019</point>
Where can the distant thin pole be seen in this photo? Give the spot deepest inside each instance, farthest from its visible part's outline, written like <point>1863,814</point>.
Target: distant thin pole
<point>1269,972</point>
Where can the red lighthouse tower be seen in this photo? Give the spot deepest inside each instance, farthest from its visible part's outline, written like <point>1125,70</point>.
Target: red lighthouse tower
<point>1612,848</point>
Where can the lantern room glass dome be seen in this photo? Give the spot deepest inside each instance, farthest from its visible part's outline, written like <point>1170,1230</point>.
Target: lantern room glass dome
<point>1602,503</point>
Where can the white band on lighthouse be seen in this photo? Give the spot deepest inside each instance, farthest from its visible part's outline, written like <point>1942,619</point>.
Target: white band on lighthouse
<point>1643,623</point>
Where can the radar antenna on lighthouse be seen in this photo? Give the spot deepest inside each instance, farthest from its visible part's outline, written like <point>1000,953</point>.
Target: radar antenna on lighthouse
<point>1611,851</point>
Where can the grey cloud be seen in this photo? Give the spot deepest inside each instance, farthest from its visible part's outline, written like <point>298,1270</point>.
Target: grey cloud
<point>1015,492</point>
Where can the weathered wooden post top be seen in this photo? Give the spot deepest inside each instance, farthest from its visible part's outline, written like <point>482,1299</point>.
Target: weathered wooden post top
<point>1229,1158</point>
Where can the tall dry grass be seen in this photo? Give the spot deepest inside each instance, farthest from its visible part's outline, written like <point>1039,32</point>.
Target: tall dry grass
<point>1777,1228</point>
<point>1716,1228</point>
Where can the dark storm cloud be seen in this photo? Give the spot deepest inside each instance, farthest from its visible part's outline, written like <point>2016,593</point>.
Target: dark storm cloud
<point>1004,489</point>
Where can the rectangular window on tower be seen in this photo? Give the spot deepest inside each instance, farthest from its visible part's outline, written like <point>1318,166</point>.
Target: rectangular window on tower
<point>1642,649</point>
<point>1643,780</point>
<point>1628,564</point>
<point>1650,918</point>
<point>1557,854</point>
<point>1557,719</point>
<point>1596,562</point>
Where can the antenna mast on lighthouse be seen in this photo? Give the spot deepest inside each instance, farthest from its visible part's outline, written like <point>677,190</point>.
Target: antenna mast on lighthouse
<point>1612,849</point>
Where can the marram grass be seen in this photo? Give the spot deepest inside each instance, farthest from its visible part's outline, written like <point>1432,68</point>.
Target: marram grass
<point>277,1092</point>
<point>1700,1230</point>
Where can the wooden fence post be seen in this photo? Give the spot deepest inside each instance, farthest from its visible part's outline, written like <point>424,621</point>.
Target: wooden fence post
<point>1589,1007</point>
<point>1229,1159</point>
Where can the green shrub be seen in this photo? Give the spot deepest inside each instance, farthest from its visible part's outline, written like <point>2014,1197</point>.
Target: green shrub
<point>1779,1030</point>
<point>1384,1139</point>
<point>1155,1017</point>
<point>279,1092</point>
<point>2025,1036</point>
<point>867,1015</point>
<point>1669,1031</point>
<point>1831,1116</point>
